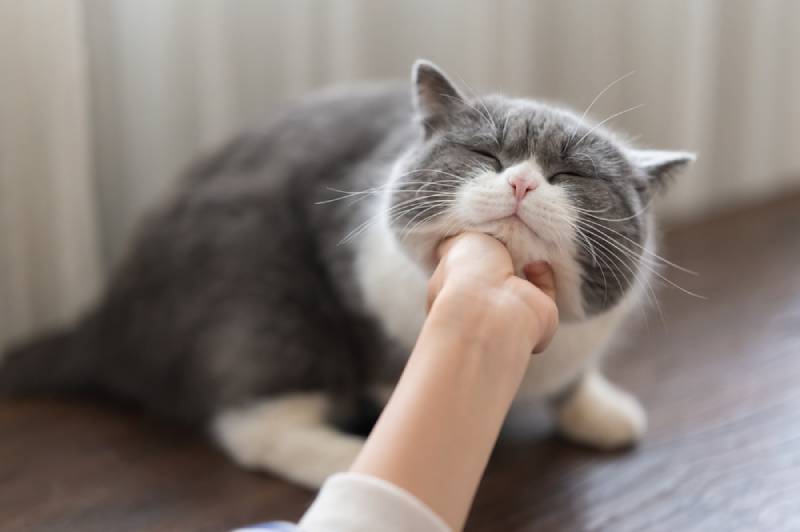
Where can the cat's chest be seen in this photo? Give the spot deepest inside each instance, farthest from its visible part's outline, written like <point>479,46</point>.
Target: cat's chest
<point>393,288</point>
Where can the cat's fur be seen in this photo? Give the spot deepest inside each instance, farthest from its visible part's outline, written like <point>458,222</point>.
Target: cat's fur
<point>256,303</point>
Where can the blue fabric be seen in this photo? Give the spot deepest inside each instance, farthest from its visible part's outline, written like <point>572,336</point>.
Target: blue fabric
<point>277,526</point>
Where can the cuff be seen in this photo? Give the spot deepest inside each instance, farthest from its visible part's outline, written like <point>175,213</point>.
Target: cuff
<point>351,502</point>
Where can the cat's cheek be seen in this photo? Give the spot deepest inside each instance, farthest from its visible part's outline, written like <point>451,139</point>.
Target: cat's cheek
<point>568,291</point>
<point>421,249</point>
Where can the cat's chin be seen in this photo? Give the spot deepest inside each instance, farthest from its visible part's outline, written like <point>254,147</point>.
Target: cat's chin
<point>524,245</point>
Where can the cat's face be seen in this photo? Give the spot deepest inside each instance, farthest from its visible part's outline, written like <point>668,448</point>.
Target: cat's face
<point>548,184</point>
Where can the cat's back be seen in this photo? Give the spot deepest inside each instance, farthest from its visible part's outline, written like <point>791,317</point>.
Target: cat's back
<point>259,192</point>
<point>316,139</point>
<point>257,195</point>
<point>234,259</point>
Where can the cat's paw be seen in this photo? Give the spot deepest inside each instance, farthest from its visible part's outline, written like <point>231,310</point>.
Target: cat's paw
<point>598,414</point>
<point>286,436</point>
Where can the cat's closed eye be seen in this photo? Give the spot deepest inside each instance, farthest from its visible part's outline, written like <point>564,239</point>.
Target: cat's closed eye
<point>565,174</point>
<point>498,166</point>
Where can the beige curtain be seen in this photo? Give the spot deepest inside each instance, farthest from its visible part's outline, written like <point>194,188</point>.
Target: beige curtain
<point>49,255</point>
<point>168,78</point>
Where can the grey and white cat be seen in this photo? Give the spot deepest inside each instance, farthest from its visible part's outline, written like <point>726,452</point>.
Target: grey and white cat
<point>271,307</point>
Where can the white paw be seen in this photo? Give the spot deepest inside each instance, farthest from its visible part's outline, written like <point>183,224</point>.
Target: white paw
<point>286,436</point>
<point>601,415</point>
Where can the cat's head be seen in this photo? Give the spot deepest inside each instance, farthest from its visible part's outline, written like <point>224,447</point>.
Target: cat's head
<point>549,184</point>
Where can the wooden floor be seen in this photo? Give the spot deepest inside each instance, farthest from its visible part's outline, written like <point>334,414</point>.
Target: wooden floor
<point>720,378</point>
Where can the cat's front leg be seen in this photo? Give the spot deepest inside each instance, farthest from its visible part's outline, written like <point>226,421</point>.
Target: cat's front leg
<point>288,436</point>
<point>596,413</point>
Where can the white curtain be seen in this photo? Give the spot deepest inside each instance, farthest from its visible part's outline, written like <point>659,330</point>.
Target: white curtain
<point>169,78</point>
<point>49,255</point>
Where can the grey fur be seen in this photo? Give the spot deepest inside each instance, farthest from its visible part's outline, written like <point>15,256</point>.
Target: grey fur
<point>240,288</point>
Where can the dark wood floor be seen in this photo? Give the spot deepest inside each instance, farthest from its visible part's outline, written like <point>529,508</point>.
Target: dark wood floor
<point>719,378</point>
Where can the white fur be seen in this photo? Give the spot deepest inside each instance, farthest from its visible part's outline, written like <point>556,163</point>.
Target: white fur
<point>287,436</point>
<point>394,288</point>
<point>598,413</point>
<point>394,282</point>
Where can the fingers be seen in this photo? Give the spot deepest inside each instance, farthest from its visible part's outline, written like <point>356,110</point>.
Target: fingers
<point>473,243</point>
<point>469,260</point>
<point>540,274</point>
<point>548,316</point>
<point>475,254</point>
<point>474,263</point>
<point>444,246</point>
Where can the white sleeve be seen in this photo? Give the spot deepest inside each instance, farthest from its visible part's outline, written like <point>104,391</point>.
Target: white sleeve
<point>351,502</point>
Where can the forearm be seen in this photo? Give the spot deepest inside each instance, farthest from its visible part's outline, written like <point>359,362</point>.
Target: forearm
<point>436,433</point>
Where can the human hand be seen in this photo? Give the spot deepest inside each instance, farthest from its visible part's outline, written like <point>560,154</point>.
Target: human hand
<point>474,294</point>
<point>442,421</point>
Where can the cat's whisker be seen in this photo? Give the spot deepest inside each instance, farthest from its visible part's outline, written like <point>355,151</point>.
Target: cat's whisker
<point>398,210</point>
<point>599,231</point>
<point>609,263</point>
<point>363,226</point>
<point>474,97</point>
<point>600,124</point>
<point>644,282</point>
<point>460,179</point>
<point>392,211</point>
<point>378,190</point>
<point>485,117</point>
<point>591,160</point>
<point>644,249</point>
<point>644,263</point>
<point>614,220</point>
<point>605,251</point>
<point>451,227</point>
<point>504,132</point>
<point>361,194</point>
<point>576,199</point>
<point>386,186</point>
<point>637,276</point>
<point>428,206</point>
<point>638,213</point>
<point>581,233</point>
<point>592,252</point>
<point>407,232</point>
<point>599,95</point>
<point>611,220</point>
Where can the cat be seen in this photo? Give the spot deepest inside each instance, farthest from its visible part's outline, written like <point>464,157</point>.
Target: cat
<point>275,297</point>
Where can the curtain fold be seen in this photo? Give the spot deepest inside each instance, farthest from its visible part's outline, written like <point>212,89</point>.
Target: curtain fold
<point>49,260</point>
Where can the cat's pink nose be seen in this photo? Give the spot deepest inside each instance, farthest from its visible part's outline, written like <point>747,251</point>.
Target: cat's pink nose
<point>522,184</point>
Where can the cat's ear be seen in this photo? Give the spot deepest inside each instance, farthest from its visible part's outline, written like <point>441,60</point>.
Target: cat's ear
<point>434,94</point>
<point>658,166</point>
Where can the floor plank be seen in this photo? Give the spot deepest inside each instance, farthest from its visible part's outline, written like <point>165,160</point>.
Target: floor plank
<point>718,377</point>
